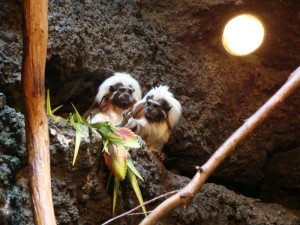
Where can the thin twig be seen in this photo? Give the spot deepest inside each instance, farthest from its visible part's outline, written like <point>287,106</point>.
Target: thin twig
<point>137,214</point>
<point>139,206</point>
<point>185,194</point>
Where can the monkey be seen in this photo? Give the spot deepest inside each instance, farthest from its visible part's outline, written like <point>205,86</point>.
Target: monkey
<point>154,117</point>
<point>116,94</point>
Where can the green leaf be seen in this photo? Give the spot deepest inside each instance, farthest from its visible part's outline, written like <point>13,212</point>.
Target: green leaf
<point>78,117</point>
<point>136,188</point>
<point>122,137</point>
<point>85,122</point>
<point>78,135</point>
<point>75,124</point>
<point>48,105</point>
<point>108,133</point>
<point>129,138</point>
<point>115,194</point>
<point>116,161</point>
<point>133,169</point>
<point>77,144</point>
<point>113,129</point>
<point>57,108</point>
<point>50,112</point>
<point>99,125</point>
<point>105,146</point>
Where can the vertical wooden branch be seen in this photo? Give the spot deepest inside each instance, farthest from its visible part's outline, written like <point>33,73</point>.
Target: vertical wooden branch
<point>184,195</point>
<point>35,34</point>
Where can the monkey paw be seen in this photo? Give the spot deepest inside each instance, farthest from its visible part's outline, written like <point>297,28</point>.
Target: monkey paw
<point>127,114</point>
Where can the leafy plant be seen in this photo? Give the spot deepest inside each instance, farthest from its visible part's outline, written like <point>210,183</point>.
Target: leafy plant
<point>116,142</point>
<point>49,111</point>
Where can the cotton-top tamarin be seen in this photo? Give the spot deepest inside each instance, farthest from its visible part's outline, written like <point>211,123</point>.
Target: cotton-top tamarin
<point>154,118</point>
<point>115,95</point>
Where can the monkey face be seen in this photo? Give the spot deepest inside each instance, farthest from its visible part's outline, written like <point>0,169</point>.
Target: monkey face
<point>156,111</point>
<point>121,96</point>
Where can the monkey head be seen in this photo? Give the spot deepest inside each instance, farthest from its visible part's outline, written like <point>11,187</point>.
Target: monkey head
<point>156,111</point>
<point>154,118</point>
<point>158,105</point>
<point>120,90</point>
<point>116,94</point>
<point>121,96</point>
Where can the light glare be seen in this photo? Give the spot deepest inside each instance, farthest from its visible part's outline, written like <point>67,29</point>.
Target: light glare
<point>242,35</point>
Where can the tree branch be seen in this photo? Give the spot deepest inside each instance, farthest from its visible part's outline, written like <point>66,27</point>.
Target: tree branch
<point>185,194</point>
<point>35,34</point>
<point>139,206</point>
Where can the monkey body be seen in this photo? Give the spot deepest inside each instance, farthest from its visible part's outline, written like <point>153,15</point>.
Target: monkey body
<point>155,116</point>
<point>115,95</point>
<point>155,135</point>
<point>112,114</point>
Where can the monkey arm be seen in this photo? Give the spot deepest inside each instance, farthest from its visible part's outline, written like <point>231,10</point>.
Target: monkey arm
<point>132,125</point>
<point>127,114</point>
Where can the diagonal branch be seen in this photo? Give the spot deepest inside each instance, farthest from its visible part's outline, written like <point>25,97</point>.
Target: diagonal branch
<point>185,194</point>
<point>130,212</point>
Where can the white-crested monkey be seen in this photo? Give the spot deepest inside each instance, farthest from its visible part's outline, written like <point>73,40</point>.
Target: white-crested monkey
<point>115,95</point>
<point>154,118</point>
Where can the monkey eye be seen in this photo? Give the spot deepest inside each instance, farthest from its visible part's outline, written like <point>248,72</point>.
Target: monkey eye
<point>125,89</point>
<point>121,90</point>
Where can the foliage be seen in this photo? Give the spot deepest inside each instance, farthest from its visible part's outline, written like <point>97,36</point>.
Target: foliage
<point>49,111</point>
<point>116,142</point>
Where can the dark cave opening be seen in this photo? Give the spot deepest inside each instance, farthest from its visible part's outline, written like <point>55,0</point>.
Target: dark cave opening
<point>78,88</point>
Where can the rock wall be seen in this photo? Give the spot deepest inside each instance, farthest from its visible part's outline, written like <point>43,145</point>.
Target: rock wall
<point>79,192</point>
<point>177,43</point>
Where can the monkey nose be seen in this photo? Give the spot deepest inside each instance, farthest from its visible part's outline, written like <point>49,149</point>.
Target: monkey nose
<point>125,95</point>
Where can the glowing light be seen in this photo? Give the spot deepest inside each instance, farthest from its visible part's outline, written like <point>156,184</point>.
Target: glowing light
<point>242,35</point>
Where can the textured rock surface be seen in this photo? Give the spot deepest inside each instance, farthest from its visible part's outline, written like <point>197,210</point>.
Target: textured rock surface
<point>177,43</point>
<point>2,100</point>
<point>79,193</point>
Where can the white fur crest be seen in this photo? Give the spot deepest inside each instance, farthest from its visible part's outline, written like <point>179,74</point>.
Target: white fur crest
<point>124,78</point>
